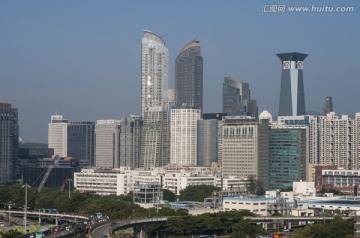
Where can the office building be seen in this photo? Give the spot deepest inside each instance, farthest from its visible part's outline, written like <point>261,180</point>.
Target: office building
<point>292,94</point>
<point>183,131</point>
<point>287,155</point>
<point>81,142</point>
<point>29,157</point>
<point>236,98</point>
<point>189,76</point>
<point>57,135</point>
<point>130,139</point>
<point>154,98</point>
<point>62,170</point>
<point>107,141</point>
<point>329,107</point>
<point>313,141</point>
<point>241,150</point>
<point>9,136</point>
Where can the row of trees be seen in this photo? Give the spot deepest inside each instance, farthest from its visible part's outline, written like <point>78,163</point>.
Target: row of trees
<point>220,223</point>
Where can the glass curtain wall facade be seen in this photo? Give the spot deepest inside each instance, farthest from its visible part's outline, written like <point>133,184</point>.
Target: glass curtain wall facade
<point>287,156</point>
<point>81,142</point>
<point>236,98</point>
<point>130,138</point>
<point>189,76</point>
<point>9,136</point>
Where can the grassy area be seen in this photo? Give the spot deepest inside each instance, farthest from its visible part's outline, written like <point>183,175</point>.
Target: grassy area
<point>3,230</point>
<point>19,229</point>
<point>34,228</point>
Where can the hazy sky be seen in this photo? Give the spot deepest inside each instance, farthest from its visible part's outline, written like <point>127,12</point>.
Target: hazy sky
<point>81,59</point>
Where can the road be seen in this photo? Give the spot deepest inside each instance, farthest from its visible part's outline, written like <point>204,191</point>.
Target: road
<point>102,230</point>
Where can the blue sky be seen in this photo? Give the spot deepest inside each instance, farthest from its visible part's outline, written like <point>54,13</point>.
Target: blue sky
<point>81,59</point>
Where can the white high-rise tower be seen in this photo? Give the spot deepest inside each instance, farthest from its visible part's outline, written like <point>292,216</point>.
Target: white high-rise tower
<point>57,135</point>
<point>154,97</point>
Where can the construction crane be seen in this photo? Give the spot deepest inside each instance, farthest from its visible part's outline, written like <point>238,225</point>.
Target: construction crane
<point>48,171</point>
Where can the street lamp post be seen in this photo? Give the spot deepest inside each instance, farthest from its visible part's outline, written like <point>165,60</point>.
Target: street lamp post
<point>9,206</point>
<point>69,181</point>
<point>25,208</point>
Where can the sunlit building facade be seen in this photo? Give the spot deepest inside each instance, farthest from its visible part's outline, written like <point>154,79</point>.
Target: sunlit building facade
<point>154,97</point>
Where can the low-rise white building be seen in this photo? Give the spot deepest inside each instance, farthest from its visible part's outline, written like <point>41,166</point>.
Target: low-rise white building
<point>256,205</point>
<point>123,180</point>
<point>101,181</point>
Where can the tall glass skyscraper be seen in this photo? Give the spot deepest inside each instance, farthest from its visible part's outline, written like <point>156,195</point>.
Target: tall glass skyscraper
<point>189,76</point>
<point>81,142</point>
<point>154,97</point>
<point>292,95</point>
<point>236,98</point>
<point>9,136</point>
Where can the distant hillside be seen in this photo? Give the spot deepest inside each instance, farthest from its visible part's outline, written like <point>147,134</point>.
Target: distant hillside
<point>33,145</point>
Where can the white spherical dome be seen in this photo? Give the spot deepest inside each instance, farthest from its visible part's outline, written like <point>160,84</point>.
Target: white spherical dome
<point>265,115</point>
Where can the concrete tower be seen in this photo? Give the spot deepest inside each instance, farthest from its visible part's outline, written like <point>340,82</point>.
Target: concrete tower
<point>292,95</point>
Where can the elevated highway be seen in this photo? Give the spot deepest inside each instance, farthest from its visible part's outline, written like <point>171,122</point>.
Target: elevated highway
<point>56,216</point>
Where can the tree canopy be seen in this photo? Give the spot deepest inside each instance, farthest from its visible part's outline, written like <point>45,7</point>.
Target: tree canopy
<point>197,193</point>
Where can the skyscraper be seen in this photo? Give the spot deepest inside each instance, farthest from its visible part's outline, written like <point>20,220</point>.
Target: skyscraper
<point>189,76</point>
<point>329,107</point>
<point>9,136</point>
<point>107,134</point>
<point>130,139</point>
<point>57,137</point>
<point>154,73</point>
<point>236,98</point>
<point>183,127</point>
<point>292,95</point>
<point>81,142</point>
<point>287,155</point>
<point>154,96</point>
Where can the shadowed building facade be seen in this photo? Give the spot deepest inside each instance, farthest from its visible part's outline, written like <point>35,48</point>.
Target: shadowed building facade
<point>292,95</point>
<point>189,76</point>
<point>9,136</point>
<point>81,142</point>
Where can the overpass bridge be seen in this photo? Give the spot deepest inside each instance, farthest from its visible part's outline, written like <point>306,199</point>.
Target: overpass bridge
<point>55,216</point>
<point>269,219</point>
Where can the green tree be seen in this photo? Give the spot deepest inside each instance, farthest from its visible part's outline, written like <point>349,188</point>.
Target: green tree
<point>197,193</point>
<point>168,195</point>
<point>335,229</point>
<point>245,229</point>
<point>255,186</point>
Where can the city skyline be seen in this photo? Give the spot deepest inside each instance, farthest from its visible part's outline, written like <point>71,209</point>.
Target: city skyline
<point>82,60</point>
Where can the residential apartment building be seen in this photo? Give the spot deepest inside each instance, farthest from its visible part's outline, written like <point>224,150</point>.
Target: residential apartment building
<point>183,131</point>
